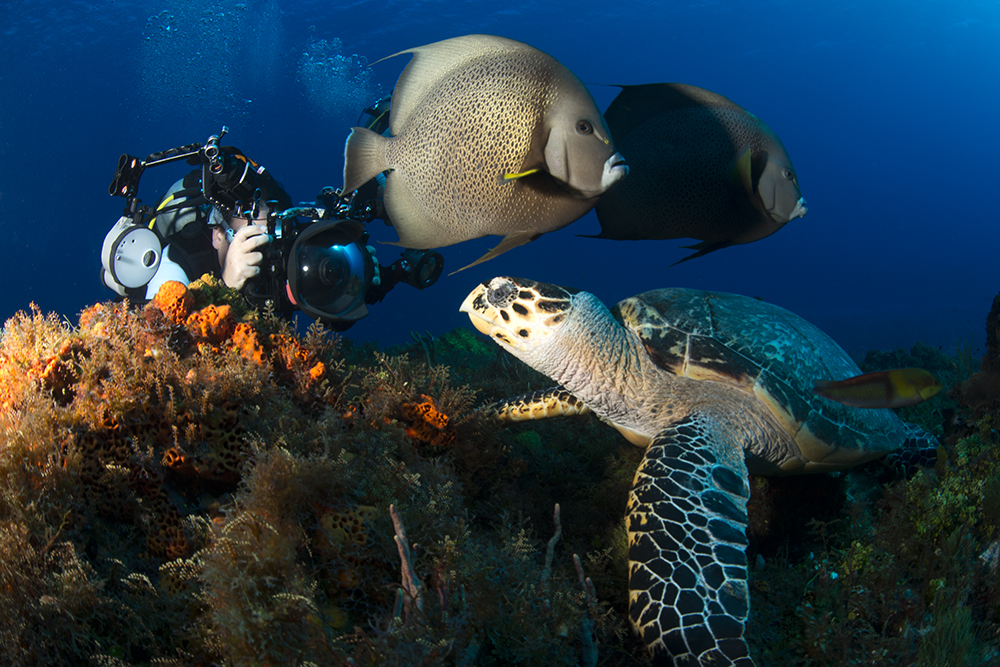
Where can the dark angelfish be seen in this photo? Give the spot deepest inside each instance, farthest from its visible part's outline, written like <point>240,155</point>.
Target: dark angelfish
<point>701,167</point>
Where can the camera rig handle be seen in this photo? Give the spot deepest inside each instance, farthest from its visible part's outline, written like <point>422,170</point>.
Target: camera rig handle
<point>125,182</point>
<point>212,153</point>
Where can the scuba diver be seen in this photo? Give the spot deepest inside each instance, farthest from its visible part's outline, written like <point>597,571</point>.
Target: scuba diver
<point>200,237</point>
<point>232,219</point>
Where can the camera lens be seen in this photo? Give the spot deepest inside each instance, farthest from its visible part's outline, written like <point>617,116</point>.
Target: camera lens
<point>322,268</point>
<point>331,277</point>
<point>427,270</point>
<point>332,270</point>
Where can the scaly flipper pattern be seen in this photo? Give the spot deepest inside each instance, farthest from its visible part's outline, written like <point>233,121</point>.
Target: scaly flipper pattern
<point>686,520</point>
<point>541,404</point>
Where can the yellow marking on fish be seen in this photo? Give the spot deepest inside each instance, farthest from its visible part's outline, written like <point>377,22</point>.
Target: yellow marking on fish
<point>514,177</point>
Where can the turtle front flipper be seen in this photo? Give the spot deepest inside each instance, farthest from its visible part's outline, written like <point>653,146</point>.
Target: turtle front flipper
<point>686,518</point>
<point>541,404</point>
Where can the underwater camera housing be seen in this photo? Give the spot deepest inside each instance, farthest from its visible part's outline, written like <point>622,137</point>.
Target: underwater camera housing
<point>321,266</point>
<point>325,268</point>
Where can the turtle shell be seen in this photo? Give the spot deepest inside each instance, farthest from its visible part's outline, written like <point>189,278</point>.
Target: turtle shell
<point>765,350</point>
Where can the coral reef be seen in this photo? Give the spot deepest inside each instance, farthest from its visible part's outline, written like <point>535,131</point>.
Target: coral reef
<point>887,570</point>
<point>910,579</point>
<point>195,483</point>
<point>981,391</point>
<point>192,483</point>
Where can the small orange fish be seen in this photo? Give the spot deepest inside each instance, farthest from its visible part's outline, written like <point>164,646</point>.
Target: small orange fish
<point>884,389</point>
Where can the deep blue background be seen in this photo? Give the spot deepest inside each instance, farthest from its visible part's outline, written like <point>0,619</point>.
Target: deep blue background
<point>888,109</point>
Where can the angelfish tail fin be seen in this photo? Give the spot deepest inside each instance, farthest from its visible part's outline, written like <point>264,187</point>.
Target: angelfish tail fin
<point>364,158</point>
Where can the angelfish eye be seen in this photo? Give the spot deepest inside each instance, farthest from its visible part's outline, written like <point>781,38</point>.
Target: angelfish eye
<point>583,127</point>
<point>788,175</point>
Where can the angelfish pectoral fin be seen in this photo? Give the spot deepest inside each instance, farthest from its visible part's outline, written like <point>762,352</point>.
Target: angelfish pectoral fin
<point>512,240</point>
<point>510,178</point>
<point>686,521</point>
<point>703,249</point>
<point>741,172</point>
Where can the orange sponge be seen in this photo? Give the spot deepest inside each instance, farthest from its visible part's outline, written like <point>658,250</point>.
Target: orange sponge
<point>213,324</point>
<point>427,423</point>
<point>245,340</point>
<point>174,300</point>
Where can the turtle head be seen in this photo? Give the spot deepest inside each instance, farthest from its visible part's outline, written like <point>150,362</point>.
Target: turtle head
<point>564,333</point>
<point>524,316</point>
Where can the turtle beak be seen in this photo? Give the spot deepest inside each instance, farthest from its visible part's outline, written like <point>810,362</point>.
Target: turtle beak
<point>479,310</point>
<point>482,325</point>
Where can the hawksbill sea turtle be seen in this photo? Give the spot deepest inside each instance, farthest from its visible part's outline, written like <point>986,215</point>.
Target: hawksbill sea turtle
<point>714,386</point>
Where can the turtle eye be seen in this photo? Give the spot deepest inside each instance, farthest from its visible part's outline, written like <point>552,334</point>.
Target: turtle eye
<point>788,174</point>
<point>583,127</point>
<point>501,295</point>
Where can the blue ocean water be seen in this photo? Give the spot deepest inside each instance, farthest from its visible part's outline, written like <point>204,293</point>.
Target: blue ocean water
<point>888,109</point>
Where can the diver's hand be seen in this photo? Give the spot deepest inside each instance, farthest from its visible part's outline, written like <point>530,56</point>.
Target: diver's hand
<point>243,257</point>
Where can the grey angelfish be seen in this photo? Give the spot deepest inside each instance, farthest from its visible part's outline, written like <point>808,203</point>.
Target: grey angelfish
<point>488,136</point>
